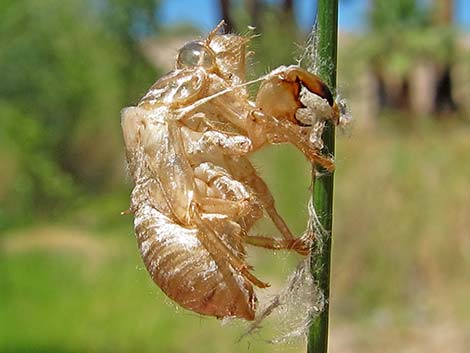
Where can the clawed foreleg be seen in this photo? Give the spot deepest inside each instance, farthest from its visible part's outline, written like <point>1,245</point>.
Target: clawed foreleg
<point>278,131</point>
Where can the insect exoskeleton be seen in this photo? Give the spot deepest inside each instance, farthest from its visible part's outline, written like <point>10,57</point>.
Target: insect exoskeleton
<point>196,194</point>
<point>183,219</point>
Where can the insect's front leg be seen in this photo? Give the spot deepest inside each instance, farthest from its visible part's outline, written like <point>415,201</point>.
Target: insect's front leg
<point>277,131</point>
<point>279,95</point>
<point>278,101</point>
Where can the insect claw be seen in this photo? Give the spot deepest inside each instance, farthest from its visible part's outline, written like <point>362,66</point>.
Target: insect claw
<point>127,212</point>
<point>301,247</point>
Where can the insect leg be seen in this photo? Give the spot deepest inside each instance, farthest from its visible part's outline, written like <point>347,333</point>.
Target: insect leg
<point>279,95</point>
<point>221,253</point>
<point>224,191</point>
<point>247,173</point>
<point>244,171</point>
<point>311,81</point>
<point>299,245</point>
<point>277,132</point>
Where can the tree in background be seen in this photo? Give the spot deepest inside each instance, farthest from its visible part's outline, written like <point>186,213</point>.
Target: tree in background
<point>67,69</point>
<point>443,19</point>
<point>226,14</point>
<point>403,35</point>
<point>256,10</point>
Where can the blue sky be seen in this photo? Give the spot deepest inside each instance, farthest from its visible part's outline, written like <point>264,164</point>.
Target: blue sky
<point>205,14</point>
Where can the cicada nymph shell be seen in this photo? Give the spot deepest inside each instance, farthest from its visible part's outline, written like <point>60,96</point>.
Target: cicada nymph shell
<point>196,194</point>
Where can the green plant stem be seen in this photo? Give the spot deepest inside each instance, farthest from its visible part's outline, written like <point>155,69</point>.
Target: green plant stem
<point>326,45</point>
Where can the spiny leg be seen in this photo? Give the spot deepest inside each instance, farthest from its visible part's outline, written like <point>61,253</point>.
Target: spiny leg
<point>243,170</point>
<point>298,245</point>
<point>278,100</point>
<point>277,132</point>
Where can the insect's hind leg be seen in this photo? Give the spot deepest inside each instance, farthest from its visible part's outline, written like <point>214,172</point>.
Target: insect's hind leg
<point>244,171</point>
<point>299,245</point>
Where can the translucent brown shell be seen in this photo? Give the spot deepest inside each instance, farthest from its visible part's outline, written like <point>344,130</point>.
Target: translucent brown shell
<point>196,194</point>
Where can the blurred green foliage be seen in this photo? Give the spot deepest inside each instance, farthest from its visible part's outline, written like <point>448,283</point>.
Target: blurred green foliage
<point>401,33</point>
<point>67,69</point>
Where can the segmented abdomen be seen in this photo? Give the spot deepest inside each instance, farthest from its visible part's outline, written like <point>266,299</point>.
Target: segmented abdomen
<point>181,266</point>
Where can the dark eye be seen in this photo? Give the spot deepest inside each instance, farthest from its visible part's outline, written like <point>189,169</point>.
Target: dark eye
<point>195,54</point>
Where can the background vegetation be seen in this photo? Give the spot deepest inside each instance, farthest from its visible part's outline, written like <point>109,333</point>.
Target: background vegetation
<point>71,279</point>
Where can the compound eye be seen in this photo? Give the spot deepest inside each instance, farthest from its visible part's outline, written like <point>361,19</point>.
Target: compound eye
<point>195,54</point>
